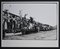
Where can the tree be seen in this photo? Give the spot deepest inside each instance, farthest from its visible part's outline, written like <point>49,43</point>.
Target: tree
<point>20,13</point>
<point>5,15</point>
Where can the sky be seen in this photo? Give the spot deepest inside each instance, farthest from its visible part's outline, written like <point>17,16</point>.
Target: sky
<point>43,13</point>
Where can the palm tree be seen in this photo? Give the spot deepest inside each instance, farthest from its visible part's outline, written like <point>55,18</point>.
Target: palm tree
<point>5,17</point>
<point>20,13</point>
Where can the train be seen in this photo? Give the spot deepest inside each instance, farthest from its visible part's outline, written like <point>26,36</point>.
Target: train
<point>24,26</point>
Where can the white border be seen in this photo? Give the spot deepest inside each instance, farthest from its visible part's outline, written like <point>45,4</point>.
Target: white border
<point>32,43</point>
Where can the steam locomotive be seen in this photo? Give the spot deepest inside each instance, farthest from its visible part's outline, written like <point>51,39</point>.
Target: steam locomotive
<point>18,25</point>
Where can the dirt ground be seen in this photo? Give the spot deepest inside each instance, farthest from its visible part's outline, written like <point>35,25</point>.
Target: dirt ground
<point>33,36</point>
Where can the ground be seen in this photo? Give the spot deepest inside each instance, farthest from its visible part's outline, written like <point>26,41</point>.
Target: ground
<point>33,36</point>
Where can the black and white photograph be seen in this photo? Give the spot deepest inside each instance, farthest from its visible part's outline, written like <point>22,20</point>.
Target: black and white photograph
<point>29,21</point>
